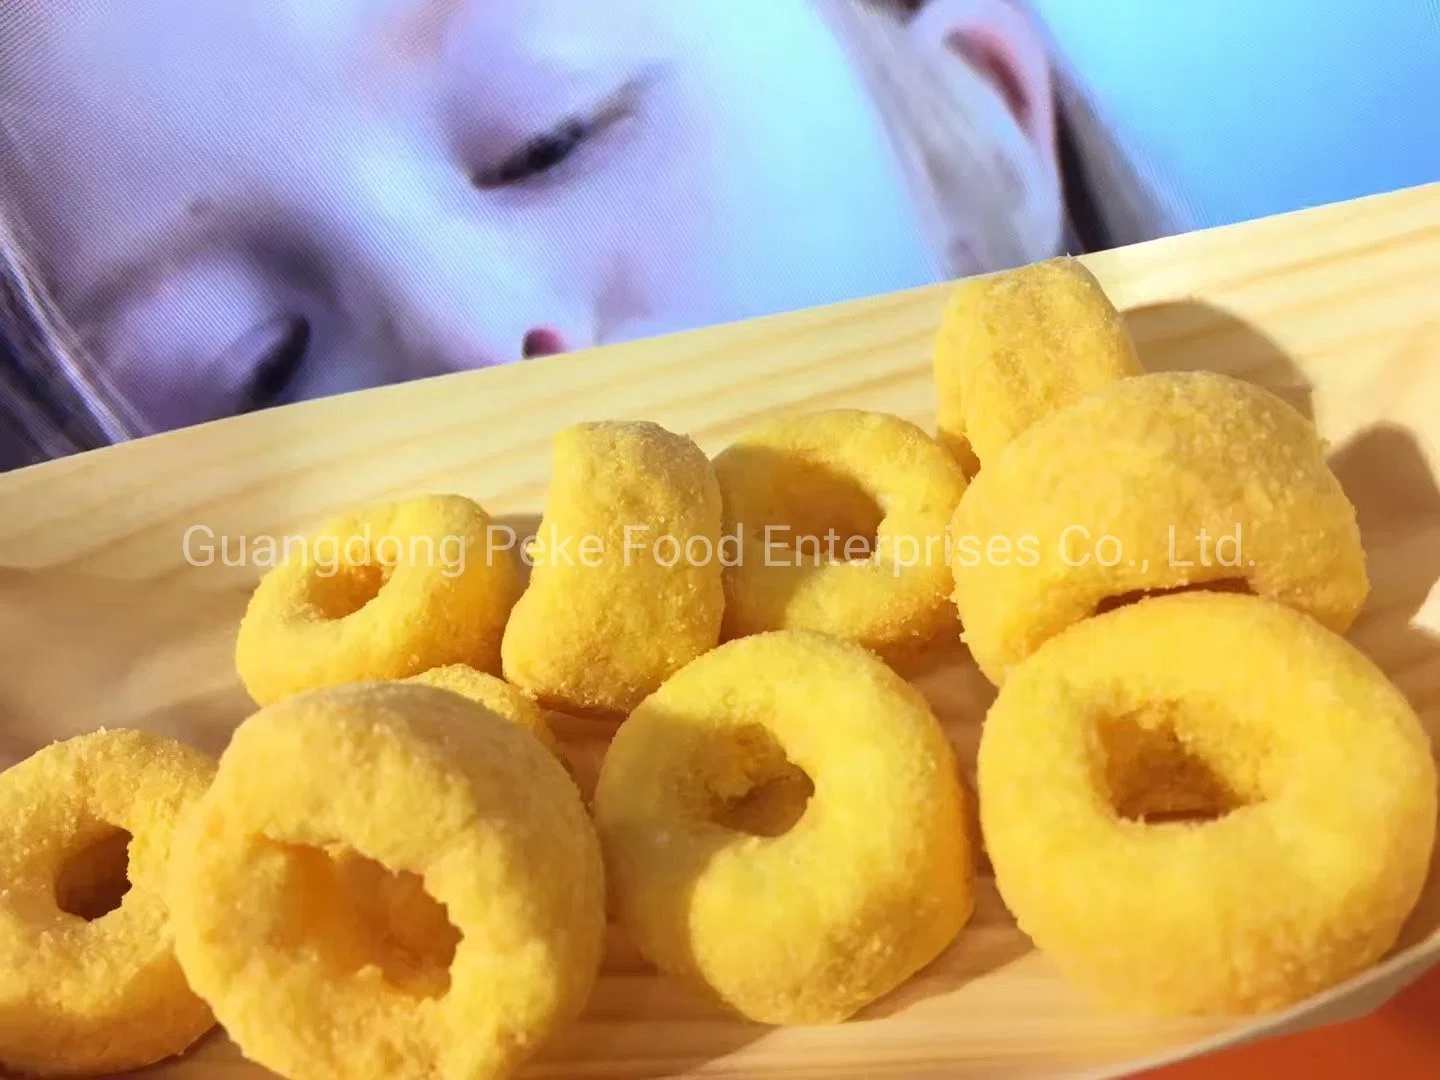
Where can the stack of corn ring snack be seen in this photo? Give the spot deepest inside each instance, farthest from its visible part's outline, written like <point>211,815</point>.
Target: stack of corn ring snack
<point>1196,796</point>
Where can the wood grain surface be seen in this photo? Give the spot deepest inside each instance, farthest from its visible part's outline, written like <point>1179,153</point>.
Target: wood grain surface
<point>108,618</point>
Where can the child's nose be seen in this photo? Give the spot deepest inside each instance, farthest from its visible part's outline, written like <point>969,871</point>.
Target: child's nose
<point>543,341</point>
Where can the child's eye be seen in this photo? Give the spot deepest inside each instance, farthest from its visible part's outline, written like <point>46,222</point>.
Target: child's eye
<point>278,363</point>
<point>538,156</point>
<point>546,152</point>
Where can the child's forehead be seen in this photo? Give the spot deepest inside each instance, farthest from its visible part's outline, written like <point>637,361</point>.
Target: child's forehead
<point>49,41</point>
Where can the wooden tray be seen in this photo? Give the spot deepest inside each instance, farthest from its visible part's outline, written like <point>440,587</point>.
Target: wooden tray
<point>104,620</point>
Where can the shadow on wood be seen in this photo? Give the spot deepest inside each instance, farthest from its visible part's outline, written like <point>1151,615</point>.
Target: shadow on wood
<point>84,651</point>
<point>1188,335</point>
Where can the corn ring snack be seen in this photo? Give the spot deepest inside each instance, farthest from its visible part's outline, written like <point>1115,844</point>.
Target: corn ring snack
<point>1156,482</point>
<point>791,912</point>
<point>495,694</point>
<point>1318,767</point>
<point>88,977</point>
<point>317,973</point>
<point>625,587</point>
<point>1018,345</point>
<point>384,593</point>
<point>841,516</point>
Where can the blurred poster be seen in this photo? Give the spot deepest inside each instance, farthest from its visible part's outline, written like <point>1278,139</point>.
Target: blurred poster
<point>207,209</point>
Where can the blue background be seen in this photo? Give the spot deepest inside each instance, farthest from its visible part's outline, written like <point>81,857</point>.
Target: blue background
<point>1265,106</point>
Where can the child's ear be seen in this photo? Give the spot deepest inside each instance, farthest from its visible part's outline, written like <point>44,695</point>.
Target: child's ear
<point>1004,45</point>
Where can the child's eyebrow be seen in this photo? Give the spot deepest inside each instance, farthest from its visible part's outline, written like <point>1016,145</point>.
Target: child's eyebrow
<point>109,283</point>
<point>419,31</point>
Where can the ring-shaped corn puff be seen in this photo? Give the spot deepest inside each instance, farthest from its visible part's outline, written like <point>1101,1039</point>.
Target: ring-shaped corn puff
<point>495,694</point>
<point>1018,345</point>
<point>317,972</point>
<point>1318,767</point>
<point>625,587</point>
<point>717,882</point>
<point>384,593</point>
<point>89,983</point>
<point>1156,482</point>
<point>841,516</point>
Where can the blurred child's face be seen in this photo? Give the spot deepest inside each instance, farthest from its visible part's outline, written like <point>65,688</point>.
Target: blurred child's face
<point>240,202</point>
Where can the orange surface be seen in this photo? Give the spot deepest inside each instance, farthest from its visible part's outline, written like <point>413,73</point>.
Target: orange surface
<point>1400,1041</point>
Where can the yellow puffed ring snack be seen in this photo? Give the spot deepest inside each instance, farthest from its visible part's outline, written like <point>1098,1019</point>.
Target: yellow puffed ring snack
<point>841,516</point>
<point>1320,770</point>
<point>792,912</point>
<point>1018,345</point>
<point>1155,482</point>
<point>88,978</point>
<point>495,694</point>
<point>384,593</point>
<point>315,971</point>
<point>625,587</point>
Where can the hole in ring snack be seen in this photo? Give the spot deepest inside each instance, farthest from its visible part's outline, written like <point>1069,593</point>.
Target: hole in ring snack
<point>439,912</point>
<point>1155,482</point>
<point>88,979</point>
<point>1314,775</point>
<point>385,593</point>
<point>841,517</point>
